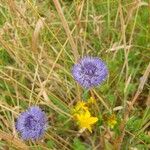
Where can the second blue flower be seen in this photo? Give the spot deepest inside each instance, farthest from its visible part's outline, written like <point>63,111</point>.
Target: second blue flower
<point>90,71</point>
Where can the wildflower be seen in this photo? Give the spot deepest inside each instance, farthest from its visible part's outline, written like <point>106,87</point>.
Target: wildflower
<point>90,71</point>
<point>111,121</point>
<point>79,107</point>
<point>85,120</point>
<point>32,123</point>
<point>91,100</point>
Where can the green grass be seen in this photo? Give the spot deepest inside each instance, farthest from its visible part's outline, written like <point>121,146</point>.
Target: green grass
<point>34,53</point>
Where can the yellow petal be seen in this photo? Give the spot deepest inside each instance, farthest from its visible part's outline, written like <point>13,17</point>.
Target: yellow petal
<point>91,100</point>
<point>87,114</point>
<point>81,106</point>
<point>93,120</point>
<point>90,129</point>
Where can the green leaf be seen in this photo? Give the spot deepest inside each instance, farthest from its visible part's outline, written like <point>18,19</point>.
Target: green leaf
<point>145,138</point>
<point>142,147</point>
<point>78,145</point>
<point>86,95</point>
<point>133,124</point>
<point>59,103</point>
<point>50,144</point>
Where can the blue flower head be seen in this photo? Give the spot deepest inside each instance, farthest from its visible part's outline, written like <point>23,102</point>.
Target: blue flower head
<point>32,123</point>
<point>90,71</point>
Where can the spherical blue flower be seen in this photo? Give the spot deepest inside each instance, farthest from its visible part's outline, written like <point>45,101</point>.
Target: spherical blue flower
<point>32,123</point>
<point>90,71</point>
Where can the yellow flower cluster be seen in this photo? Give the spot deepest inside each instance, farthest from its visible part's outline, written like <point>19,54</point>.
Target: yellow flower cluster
<point>83,116</point>
<point>111,121</point>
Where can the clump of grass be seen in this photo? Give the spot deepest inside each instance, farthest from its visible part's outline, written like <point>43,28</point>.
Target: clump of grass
<point>39,43</point>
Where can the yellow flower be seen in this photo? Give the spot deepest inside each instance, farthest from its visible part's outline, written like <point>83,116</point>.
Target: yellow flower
<point>112,121</point>
<point>91,100</point>
<point>85,120</point>
<point>80,107</point>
